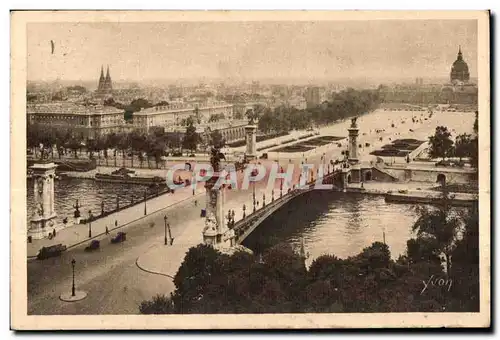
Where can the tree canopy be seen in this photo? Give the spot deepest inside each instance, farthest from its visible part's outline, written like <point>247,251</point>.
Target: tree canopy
<point>440,143</point>
<point>279,282</point>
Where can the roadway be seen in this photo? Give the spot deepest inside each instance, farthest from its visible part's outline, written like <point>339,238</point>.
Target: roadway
<point>109,275</point>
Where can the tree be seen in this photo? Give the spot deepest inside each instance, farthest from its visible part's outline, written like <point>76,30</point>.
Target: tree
<point>474,152</point>
<point>160,304</point>
<point>465,272</point>
<point>193,277</point>
<point>162,103</point>
<point>33,134</point>
<point>441,143</point>
<point>123,144</point>
<point>191,137</point>
<point>463,145</point>
<point>439,225</point>
<point>476,125</point>
<point>216,139</point>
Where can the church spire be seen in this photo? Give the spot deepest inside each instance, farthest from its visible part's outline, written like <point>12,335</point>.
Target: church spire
<point>102,72</point>
<point>459,52</point>
<point>108,77</point>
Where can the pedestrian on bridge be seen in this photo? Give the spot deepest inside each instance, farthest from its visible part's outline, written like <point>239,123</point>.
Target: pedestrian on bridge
<point>107,230</point>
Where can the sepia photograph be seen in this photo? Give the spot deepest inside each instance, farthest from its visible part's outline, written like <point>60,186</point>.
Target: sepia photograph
<point>250,170</point>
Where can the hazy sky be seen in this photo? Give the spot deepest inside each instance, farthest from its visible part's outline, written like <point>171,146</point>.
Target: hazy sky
<point>323,49</point>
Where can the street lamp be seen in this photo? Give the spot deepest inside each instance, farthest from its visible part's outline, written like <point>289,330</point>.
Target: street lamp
<point>73,285</point>
<point>272,195</point>
<point>229,222</point>
<point>170,234</point>
<point>244,208</point>
<point>90,223</point>
<point>263,200</point>
<point>253,194</point>
<point>165,219</point>
<point>145,198</point>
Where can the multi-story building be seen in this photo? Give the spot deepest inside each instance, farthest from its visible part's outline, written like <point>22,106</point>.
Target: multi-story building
<point>89,121</point>
<point>313,96</point>
<point>173,114</point>
<point>297,102</point>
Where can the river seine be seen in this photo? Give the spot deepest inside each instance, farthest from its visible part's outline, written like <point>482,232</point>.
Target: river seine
<point>89,194</point>
<point>336,223</point>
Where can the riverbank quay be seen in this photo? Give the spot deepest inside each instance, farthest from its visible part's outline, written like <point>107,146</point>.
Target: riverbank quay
<point>77,234</point>
<point>411,193</point>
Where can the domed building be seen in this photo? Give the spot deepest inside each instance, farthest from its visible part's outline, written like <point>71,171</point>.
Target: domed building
<point>459,70</point>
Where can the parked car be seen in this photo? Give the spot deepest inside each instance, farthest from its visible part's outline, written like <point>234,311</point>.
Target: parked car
<point>51,251</point>
<point>444,163</point>
<point>94,244</point>
<point>120,237</point>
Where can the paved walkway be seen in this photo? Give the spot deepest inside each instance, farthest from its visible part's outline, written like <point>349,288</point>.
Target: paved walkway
<point>75,235</point>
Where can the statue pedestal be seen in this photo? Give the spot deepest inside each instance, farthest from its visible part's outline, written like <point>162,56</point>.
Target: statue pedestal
<point>42,223</point>
<point>214,219</point>
<point>251,142</point>
<point>41,227</point>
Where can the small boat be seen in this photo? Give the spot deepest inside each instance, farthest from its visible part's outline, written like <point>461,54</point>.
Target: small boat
<point>124,175</point>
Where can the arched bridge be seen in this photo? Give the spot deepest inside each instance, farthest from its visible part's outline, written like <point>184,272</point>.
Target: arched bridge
<point>249,223</point>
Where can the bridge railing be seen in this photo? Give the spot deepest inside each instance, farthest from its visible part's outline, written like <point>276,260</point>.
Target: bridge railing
<point>241,226</point>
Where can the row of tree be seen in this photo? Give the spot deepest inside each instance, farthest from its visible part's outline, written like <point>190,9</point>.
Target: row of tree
<point>46,140</point>
<point>465,145</point>
<point>345,104</point>
<point>279,282</point>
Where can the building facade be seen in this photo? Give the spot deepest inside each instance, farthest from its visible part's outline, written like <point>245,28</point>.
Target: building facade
<point>312,96</point>
<point>172,115</point>
<point>87,121</point>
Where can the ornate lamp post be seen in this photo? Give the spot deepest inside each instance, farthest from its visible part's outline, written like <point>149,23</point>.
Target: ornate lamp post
<point>281,189</point>
<point>272,195</point>
<point>73,285</point>
<point>145,199</point>
<point>263,200</point>
<point>244,208</point>
<point>165,218</point>
<point>90,223</point>
<point>170,234</point>
<point>253,194</point>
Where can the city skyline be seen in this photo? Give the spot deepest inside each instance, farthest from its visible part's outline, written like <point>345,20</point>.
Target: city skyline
<point>323,50</point>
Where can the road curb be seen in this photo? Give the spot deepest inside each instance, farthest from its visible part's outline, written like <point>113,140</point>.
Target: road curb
<point>151,271</point>
<point>31,258</point>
